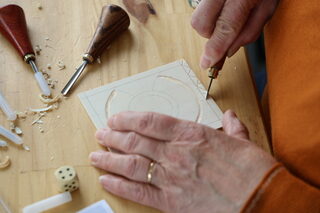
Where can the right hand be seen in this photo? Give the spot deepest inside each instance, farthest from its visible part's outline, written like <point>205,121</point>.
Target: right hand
<point>229,24</point>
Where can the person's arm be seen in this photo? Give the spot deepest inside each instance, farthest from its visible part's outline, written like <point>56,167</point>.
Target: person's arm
<point>292,52</point>
<point>280,191</point>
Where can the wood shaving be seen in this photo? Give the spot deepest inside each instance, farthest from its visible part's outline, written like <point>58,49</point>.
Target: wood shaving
<point>41,130</point>
<point>37,119</point>
<point>58,116</point>
<point>39,122</point>
<point>47,38</point>
<point>5,163</point>
<point>37,49</point>
<point>55,106</point>
<point>47,100</point>
<point>12,126</point>
<point>61,65</point>
<point>25,147</point>
<point>18,131</point>
<point>42,109</point>
<point>22,115</point>
<point>39,7</point>
<point>49,66</point>
<point>3,144</point>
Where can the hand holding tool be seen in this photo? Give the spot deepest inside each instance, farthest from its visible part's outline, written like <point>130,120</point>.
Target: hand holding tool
<point>113,21</point>
<point>214,72</point>
<point>14,27</point>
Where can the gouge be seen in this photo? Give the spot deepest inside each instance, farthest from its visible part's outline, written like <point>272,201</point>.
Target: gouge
<point>113,22</point>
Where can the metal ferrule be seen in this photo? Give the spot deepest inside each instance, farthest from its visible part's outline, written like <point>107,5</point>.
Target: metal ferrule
<point>87,57</point>
<point>213,73</point>
<point>29,57</point>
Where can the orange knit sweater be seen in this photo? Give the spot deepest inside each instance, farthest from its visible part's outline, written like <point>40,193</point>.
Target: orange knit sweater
<point>292,41</point>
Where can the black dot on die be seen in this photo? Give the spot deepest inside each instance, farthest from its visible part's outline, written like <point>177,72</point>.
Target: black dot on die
<point>70,175</point>
<point>74,187</point>
<point>70,186</point>
<point>73,182</point>
<point>60,171</point>
<point>67,190</point>
<point>63,177</point>
<point>68,169</point>
<point>65,186</point>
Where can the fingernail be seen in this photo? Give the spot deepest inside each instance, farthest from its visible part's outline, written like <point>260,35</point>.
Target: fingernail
<point>103,179</point>
<point>206,62</point>
<point>100,134</point>
<point>107,180</point>
<point>94,156</point>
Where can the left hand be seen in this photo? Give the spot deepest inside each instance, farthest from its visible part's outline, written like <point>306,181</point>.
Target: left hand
<point>198,169</point>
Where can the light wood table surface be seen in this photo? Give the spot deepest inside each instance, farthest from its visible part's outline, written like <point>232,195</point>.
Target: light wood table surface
<point>68,140</point>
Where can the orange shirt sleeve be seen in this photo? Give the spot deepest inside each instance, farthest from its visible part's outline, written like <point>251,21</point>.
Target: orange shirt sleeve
<point>292,40</point>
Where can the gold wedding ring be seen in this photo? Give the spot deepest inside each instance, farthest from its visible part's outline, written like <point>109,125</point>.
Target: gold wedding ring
<point>150,171</point>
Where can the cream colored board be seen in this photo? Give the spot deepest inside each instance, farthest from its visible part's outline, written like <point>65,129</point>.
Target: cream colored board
<point>171,89</point>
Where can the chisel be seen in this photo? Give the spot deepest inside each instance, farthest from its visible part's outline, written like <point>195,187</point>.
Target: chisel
<point>14,27</point>
<point>113,22</point>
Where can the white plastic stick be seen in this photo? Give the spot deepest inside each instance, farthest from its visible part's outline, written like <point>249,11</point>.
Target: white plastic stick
<point>48,203</point>
<point>4,206</point>
<point>11,136</point>
<point>42,84</point>
<point>11,115</point>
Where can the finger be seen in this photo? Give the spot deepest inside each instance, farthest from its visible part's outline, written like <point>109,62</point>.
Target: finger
<point>131,143</point>
<point>133,167</point>
<point>149,124</point>
<point>254,26</point>
<point>137,192</point>
<point>205,16</point>
<point>228,26</point>
<point>233,126</point>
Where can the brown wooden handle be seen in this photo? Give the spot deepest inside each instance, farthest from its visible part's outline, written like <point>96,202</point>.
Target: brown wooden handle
<point>14,27</point>
<point>218,66</point>
<point>113,21</point>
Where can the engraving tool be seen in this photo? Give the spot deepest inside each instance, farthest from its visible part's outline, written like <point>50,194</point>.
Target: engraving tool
<point>214,72</point>
<point>14,27</point>
<point>113,22</point>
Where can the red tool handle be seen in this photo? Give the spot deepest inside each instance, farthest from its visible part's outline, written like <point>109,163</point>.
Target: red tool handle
<point>14,27</point>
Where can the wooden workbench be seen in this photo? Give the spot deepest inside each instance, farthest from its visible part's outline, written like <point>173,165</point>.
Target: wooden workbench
<point>68,135</point>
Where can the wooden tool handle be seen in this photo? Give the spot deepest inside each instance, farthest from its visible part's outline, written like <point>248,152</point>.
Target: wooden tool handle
<point>113,21</point>
<point>14,27</point>
<point>219,64</point>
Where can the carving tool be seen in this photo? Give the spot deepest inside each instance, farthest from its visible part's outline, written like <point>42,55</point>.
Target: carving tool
<point>14,27</point>
<point>214,72</point>
<point>113,22</point>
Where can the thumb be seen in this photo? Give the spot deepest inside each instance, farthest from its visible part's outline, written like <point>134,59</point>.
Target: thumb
<point>232,126</point>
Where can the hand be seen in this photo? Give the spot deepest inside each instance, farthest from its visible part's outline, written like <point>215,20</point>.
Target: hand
<point>229,24</point>
<point>198,169</point>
